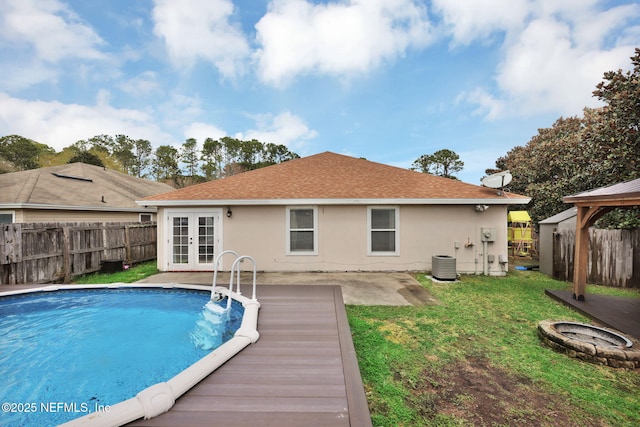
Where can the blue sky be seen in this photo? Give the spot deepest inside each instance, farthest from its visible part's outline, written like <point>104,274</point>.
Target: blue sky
<point>388,80</point>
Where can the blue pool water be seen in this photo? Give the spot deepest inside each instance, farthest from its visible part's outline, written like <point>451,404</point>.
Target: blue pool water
<point>68,353</point>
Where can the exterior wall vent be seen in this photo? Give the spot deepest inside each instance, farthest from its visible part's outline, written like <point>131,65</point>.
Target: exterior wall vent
<point>443,267</point>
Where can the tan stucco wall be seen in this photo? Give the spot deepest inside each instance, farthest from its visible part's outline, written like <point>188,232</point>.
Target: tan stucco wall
<point>260,231</point>
<point>54,215</point>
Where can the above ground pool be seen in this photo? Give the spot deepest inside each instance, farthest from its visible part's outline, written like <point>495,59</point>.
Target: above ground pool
<point>73,353</point>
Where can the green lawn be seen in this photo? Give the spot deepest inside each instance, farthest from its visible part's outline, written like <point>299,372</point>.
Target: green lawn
<point>476,359</point>
<point>133,274</point>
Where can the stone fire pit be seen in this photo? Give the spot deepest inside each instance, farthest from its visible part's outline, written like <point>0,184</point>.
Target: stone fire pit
<point>590,343</point>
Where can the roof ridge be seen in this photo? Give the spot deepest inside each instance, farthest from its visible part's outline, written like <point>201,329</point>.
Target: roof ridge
<point>28,185</point>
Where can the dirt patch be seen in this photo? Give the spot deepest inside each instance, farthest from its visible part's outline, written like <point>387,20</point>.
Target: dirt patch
<point>484,395</point>
<point>417,295</point>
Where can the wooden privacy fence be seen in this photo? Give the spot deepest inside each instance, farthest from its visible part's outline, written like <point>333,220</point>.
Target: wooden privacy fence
<point>50,252</point>
<point>613,260</point>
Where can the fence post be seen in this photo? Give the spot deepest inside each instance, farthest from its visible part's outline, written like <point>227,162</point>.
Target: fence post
<point>66,253</point>
<point>127,244</point>
<point>11,252</point>
<point>105,242</point>
<point>12,243</point>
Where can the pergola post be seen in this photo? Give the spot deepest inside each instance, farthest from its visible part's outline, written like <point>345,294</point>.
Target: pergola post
<point>581,253</point>
<point>587,216</point>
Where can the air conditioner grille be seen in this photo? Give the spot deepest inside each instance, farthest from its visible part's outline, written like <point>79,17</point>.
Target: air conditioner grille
<point>443,267</point>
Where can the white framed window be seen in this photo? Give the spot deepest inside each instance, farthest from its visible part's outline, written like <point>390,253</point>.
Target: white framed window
<point>383,234</point>
<point>302,230</point>
<point>144,217</point>
<point>7,217</point>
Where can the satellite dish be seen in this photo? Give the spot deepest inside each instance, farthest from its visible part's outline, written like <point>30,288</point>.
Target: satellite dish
<point>497,180</point>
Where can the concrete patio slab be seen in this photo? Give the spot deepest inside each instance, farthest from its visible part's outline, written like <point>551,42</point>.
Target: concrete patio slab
<point>358,288</point>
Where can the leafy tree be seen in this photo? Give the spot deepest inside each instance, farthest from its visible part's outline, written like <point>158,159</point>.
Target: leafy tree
<point>211,157</point>
<point>274,154</point>
<point>165,165</point>
<point>103,143</point>
<point>67,153</point>
<point>86,157</point>
<point>232,148</point>
<point>120,152</point>
<point>251,153</point>
<point>189,155</point>
<point>617,132</point>
<point>442,163</point>
<point>142,152</point>
<point>123,152</point>
<point>541,169</point>
<point>22,152</point>
<point>229,156</point>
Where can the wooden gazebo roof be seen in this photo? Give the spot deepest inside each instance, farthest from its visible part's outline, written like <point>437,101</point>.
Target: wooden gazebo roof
<point>591,206</point>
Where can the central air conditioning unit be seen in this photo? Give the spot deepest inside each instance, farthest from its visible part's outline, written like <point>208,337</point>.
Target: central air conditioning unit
<point>443,267</point>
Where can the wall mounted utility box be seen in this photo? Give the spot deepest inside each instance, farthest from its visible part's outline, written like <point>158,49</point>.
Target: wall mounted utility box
<point>487,234</point>
<point>443,267</point>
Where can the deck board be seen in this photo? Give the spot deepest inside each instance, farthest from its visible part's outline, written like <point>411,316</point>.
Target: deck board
<point>301,372</point>
<point>620,313</point>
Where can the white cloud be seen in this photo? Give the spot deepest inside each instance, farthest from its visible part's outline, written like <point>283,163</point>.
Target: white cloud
<point>60,125</point>
<point>52,29</point>
<point>39,38</point>
<point>545,71</point>
<point>179,109</point>
<point>145,83</point>
<point>285,128</point>
<point>553,53</point>
<point>21,75</point>
<point>468,21</point>
<point>487,105</point>
<point>202,131</point>
<point>338,39</point>
<point>201,29</point>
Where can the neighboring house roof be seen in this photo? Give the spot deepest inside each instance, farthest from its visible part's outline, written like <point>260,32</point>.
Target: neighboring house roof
<point>562,216</point>
<point>331,178</point>
<point>75,186</point>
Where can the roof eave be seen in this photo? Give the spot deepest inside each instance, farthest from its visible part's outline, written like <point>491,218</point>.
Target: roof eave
<point>280,202</point>
<point>6,206</point>
<point>609,200</point>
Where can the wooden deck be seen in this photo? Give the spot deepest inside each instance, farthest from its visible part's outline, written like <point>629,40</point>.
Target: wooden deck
<point>302,371</point>
<point>620,313</point>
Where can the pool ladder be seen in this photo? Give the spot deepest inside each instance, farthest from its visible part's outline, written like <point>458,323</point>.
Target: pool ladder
<point>238,259</point>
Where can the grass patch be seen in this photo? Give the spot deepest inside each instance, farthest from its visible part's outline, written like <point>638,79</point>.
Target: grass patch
<point>441,365</point>
<point>138,272</point>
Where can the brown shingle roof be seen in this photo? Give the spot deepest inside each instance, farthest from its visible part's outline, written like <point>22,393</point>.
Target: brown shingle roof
<point>332,176</point>
<point>77,185</point>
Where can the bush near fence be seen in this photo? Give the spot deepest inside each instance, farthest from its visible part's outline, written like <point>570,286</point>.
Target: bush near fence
<point>613,260</point>
<point>54,252</point>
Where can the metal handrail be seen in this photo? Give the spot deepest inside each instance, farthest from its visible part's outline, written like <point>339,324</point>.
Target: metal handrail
<point>215,275</point>
<point>233,267</point>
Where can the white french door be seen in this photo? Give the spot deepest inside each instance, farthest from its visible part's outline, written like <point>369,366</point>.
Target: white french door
<point>193,239</point>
